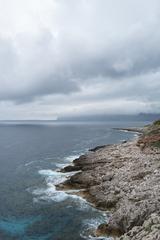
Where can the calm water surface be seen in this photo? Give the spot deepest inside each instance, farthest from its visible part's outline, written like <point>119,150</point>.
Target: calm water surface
<point>30,154</point>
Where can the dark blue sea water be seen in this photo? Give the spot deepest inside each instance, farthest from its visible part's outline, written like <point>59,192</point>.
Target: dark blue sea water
<point>30,154</point>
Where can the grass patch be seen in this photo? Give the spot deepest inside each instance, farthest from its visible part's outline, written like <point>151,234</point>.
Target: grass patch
<point>157,123</point>
<point>156,144</point>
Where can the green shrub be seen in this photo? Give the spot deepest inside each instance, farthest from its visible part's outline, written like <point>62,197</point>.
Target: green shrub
<point>157,123</point>
<point>156,144</point>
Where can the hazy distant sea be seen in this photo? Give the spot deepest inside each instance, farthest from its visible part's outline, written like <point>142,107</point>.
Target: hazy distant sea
<point>30,154</point>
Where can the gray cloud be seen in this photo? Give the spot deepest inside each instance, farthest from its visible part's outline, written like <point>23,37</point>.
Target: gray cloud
<point>72,55</point>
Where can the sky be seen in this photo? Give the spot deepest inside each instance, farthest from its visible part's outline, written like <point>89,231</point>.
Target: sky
<point>78,57</point>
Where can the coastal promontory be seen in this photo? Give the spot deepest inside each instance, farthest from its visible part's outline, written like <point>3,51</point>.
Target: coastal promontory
<point>124,180</point>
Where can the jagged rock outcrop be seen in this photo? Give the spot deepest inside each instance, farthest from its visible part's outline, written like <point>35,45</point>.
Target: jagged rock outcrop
<point>125,179</point>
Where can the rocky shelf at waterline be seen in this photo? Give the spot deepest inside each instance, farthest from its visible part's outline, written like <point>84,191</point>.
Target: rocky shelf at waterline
<point>123,179</point>
<point>133,129</point>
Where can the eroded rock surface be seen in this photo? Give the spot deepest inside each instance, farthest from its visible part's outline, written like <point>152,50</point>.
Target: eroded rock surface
<point>124,179</point>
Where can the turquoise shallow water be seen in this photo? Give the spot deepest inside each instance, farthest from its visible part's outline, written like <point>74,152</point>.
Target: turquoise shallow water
<point>30,154</point>
<point>15,226</point>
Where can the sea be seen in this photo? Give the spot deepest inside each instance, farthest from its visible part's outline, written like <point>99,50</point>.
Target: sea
<point>31,154</point>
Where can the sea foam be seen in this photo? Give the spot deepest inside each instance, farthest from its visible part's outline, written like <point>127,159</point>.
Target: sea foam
<point>53,178</point>
<point>71,158</point>
<point>89,227</point>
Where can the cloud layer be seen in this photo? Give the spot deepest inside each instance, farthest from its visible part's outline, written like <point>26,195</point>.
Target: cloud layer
<point>71,57</point>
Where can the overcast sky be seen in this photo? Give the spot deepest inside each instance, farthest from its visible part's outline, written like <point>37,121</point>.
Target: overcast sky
<point>77,57</point>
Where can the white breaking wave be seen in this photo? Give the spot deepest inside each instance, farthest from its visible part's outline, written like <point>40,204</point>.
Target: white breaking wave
<point>52,178</point>
<point>50,193</point>
<point>71,158</point>
<point>67,160</point>
<point>89,227</point>
<point>61,165</point>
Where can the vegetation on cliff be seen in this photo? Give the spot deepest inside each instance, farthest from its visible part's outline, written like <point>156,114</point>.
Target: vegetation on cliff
<point>150,136</point>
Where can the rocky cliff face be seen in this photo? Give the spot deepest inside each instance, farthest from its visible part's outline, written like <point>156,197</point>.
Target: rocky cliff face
<point>125,180</point>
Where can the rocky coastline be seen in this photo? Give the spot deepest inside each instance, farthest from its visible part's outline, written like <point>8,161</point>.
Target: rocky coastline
<point>124,180</point>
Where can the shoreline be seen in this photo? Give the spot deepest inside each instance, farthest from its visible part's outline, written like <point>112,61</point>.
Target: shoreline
<point>120,179</point>
<point>139,131</point>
